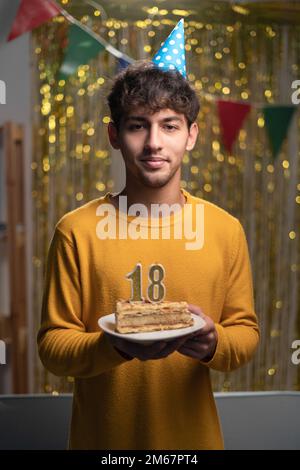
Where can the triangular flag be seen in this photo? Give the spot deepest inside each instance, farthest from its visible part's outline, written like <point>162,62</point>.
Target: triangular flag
<point>232,115</point>
<point>31,14</point>
<point>8,12</point>
<point>82,47</point>
<point>171,55</point>
<point>277,120</point>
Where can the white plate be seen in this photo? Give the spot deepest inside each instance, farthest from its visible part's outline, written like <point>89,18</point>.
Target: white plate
<point>107,323</point>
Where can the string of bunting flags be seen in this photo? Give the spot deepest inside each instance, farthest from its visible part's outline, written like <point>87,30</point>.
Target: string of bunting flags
<point>20,16</point>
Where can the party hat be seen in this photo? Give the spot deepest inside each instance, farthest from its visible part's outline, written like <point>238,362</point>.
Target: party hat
<point>171,55</point>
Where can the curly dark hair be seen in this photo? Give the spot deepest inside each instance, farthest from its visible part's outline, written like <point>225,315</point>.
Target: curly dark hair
<point>143,84</point>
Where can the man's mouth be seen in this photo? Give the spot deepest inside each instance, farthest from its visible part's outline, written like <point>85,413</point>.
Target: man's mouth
<point>153,162</point>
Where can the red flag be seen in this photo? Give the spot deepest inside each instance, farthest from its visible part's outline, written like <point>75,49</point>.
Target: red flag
<point>231,115</point>
<point>31,14</point>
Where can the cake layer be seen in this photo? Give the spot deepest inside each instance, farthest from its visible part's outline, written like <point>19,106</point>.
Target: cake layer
<point>149,328</point>
<point>133,317</point>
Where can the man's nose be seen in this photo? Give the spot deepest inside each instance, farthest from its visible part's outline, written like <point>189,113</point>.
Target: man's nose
<point>153,139</point>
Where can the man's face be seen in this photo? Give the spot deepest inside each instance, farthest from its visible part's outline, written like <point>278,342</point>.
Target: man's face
<point>153,145</point>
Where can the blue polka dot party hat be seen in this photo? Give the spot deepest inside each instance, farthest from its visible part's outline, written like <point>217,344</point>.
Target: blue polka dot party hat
<point>171,55</point>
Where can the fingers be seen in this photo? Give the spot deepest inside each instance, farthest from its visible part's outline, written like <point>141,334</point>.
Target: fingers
<point>197,346</point>
<point>140,351</point>
<point>209,323</point>
<point>145,351</point>
<point>207,330</point>
<point>174,345</point>
<point>156,350</point>
<point>195,309</point>
<point>200,352</point>
<point>198,311</point>
<point>169,348</point>
<point>189,352</point>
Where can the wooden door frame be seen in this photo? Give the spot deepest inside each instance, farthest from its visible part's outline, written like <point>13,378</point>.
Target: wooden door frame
<point>13,146</point>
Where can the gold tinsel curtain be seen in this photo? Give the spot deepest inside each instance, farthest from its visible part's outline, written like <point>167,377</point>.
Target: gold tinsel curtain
<point>72,160</point>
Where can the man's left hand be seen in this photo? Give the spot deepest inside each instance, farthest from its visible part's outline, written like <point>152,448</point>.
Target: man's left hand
<point>203,344</point>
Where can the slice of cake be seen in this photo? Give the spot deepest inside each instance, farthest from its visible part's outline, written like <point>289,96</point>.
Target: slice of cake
<point>145,316</point>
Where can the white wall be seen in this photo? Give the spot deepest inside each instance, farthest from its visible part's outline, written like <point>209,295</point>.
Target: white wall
<point>15,71</point>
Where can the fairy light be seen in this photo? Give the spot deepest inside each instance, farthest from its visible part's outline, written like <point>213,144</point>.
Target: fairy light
<point>268,93</point>
<point>207,188</point>
<point>261,122</point>
<point>100,187</point>
<point>86,148</point>
<point>285,164</point>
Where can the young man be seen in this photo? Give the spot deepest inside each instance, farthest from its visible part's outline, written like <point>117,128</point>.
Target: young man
<point>128,395</point>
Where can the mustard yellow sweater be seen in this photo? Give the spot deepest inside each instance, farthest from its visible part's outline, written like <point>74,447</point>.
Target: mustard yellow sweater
<point>156,404</point>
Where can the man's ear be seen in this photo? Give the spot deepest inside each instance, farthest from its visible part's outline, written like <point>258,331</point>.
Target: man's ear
<point>113,135</point>
<point>193,134</point>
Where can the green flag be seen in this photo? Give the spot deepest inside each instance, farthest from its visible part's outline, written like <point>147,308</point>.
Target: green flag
<point>277,119</point>
<point>82,47</point>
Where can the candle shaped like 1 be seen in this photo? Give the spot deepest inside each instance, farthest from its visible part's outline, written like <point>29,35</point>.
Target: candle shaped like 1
<point>135,277</point>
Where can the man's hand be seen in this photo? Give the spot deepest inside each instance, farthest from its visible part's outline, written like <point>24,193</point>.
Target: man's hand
<point>144,352</point>
<point>204,342</point>
<point>200,345</point>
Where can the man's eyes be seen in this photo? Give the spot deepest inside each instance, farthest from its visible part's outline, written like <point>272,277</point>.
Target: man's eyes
<point>137,127</point>
<point>169,127</point>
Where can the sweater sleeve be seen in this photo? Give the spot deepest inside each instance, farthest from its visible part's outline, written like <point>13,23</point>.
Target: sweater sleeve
<point>65,348</point>
<point>238,331</point>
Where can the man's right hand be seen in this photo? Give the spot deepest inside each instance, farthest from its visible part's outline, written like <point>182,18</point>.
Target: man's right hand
<point>144,352</point>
